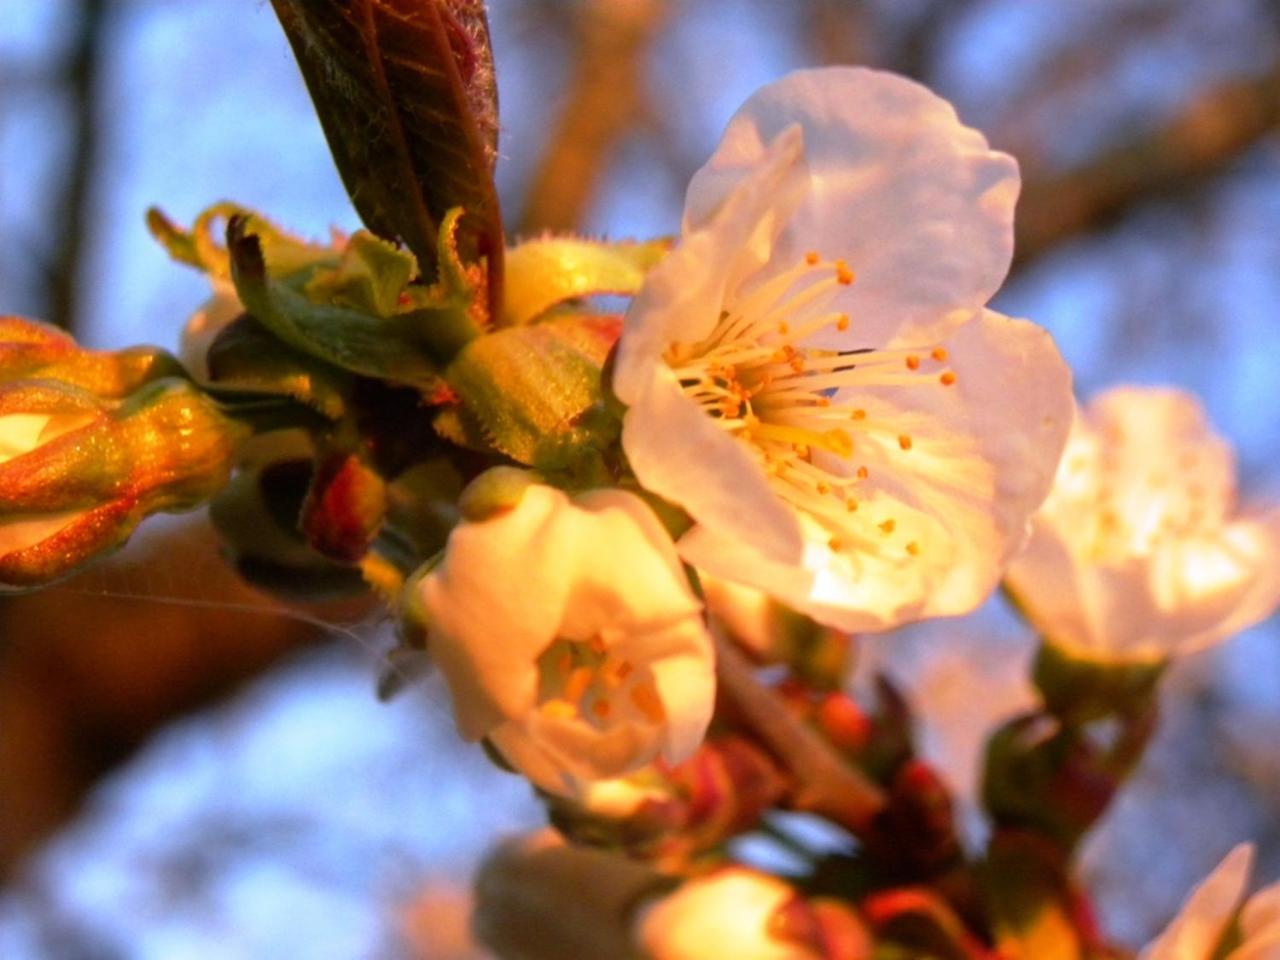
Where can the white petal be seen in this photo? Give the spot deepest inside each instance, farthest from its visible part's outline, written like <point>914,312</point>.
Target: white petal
<point>210,319</point>
<point>495,603</point>
<point>617,535</point>
<point>956,502</point>
<point>682,296</point>
<point>1203,919</point>
<point>725,914</point>
<point>679,453</point>
<point>912,199</point>
<point>687,687</point>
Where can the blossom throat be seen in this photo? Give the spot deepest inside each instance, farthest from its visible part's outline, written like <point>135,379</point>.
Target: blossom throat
<point>760,378</point>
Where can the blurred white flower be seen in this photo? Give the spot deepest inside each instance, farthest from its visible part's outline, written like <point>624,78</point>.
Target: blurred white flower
<point>1138,552</point>
<point>569,637</point>
<point>1203,926</point>
<point>867,449</point>
<point>725,914</point>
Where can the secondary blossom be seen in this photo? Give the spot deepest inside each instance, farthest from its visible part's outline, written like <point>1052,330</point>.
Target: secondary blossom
<point>570,638</point>
<point>1202,928</point>
<point>811,374</point>
<point>1138,552</point>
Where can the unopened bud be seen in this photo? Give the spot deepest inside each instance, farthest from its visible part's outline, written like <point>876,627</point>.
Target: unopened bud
<point>78,473</point>
<point>31,350</point>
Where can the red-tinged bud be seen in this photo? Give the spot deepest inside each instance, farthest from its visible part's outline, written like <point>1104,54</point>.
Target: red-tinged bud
<point>844,722</point>
<point>30,350</point>
<point>918,919</point>
<point>916,830</point>
<point>828,928</point>
<point>344,508</point>
<point>78,472</point>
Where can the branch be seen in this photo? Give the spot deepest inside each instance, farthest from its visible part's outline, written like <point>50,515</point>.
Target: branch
<point>606,96</point>
<point>1214,129</point>
<point>828,785</point>
<point>72,214</point>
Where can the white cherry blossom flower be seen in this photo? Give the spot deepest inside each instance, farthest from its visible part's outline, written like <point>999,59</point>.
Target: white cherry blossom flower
<point>724,914</point>
<point>570,638</point>
<point>1138,552</point>
<point>1199,930</point>
<point>811,373</point>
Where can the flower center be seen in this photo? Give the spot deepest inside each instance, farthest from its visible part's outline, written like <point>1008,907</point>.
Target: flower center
<point>761,377</point>
<point>1137,514</point>
<point>584,680</point>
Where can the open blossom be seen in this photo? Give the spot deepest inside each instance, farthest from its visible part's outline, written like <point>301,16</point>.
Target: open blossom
<point>1138,551</point>
<point>811,373</point>
<point>570,638</point>
<point>1203,926</point>
<point>725,914</point>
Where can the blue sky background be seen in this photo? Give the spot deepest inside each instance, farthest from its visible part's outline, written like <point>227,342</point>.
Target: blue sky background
<point>337,806</point>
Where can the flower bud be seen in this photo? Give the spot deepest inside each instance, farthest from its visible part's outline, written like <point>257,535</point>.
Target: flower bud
<point>570,638</point>
<point>32,350</point>
<point>78,473</point>
<point>734,912</point>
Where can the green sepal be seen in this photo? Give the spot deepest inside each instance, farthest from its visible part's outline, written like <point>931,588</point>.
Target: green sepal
<point>370,276</point>
<point>535,390</point>
<point>349,339</point>
<point>547,271</point>
<point>199,247</point>
<point>493,492</point>
<point>1026,889</point>
<point>1080,689</point>
<point>245,356</point>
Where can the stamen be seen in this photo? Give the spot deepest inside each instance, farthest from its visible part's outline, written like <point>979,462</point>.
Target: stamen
<point>904,441</point>
<point>939,353</point>
<point>913,362</point>
<point>577,684</point>
<point>647,701</point>
<point>887,526</point>
<point>947,378</point>
<point>913,548</point>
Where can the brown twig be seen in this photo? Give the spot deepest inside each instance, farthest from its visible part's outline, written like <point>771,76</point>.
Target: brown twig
<point>1202,141</point>
<point>606,96</point>
<point>828,785</point>
<point>73,215</point>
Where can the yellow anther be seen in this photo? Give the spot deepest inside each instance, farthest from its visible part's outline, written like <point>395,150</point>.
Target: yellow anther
<point>947,378</point>
<point>913,362</point>
<point>811,258</point>
<point>844,275</point>
<point>843,322</point>
<point>851,504</point>
<point>783,328</point>
<point>823,489</point>
<point>904,441</point>
<point>863,473</point>
<point>858,414</point>
<point>887,526</point>
<point>939,353</point>
<point>913,548</point>
<point>835,544</point>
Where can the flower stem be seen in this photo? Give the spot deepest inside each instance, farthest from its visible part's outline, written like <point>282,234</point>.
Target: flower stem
<point>827,784</point>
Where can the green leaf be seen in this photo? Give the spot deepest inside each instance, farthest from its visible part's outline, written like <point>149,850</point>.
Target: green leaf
<point>550,270</point>
<point>245,356</point>
<point>406,95</point>
<point>371,275</point>
<point>389,349</point>
<point>285,254</point>
<point>535,390</point>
